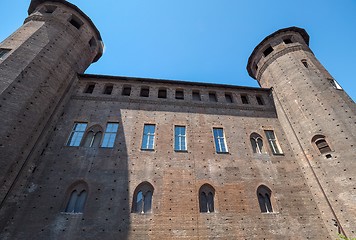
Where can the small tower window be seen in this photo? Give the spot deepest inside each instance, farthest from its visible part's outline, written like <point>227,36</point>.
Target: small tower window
<point>228,98</point>
<point>264,199</point>
<point>196,96</point>
<point>126,91</point>
<point>92,43</point>
<point>305,63</point>
<point>179,94</point>
<point>162,93</point>
<point>259,100</point>
<point>212,97</point>
<point>267,51</point>
<point>145,92</point>
<point>335,84</point>
<point>4,52</point>
<point>206,198</point>
<point>90,88</point>
<point>321,144</point>
<point>287,40</point>
<point>244,99</point>
<point>76,22</point>
<point>108,89</point>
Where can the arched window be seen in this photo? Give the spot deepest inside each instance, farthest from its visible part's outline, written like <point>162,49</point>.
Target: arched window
<point>93,136</point>
<point>142,200</point>
<point>256,143</point>
<point>206,198</point>
<point>264,199</point>
<point>321,144</point>
<point>76,201</point>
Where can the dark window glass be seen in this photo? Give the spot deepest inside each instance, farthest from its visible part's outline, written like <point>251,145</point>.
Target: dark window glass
<point>259,100</point>
<point>76,202</point>
<point>76,22</point>
<point>206,198</point>
<point>267,51</point>
<point>287,41</point>
<point>264,199</point>
<point>305,63</point>
<point>142,200</point>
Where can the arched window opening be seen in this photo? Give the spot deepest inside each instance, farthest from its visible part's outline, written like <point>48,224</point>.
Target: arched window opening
<point>264,199</point>
<point>321,144</point>
<point>256,143</point>
<point>206,198</point>
<point>142,200</point>
<point>93,137</point>
<point>77,199</point>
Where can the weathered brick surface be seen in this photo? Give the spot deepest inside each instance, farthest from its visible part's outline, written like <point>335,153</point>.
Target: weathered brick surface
<point>49,98</point>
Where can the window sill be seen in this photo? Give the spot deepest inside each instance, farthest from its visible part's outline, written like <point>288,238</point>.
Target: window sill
<point>222,152</point>
<point>72,213</point>
<point>148,150</point>
<point>181,151</point>
<point>278,154</point>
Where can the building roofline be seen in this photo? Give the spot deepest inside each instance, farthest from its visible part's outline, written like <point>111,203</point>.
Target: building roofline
<point>301,31</point>
<point>155,80</point>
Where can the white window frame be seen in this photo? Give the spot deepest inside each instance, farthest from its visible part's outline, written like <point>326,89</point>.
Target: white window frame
<point>220,141</point>
<point>110,135</point>
<point>181,138</point>
<point>146,145</point>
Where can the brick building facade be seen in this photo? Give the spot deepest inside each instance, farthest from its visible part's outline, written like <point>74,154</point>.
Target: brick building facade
<point>105,157</point>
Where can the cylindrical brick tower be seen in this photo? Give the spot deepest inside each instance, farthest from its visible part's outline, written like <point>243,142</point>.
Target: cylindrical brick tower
<point>319,119</point>
<point>38,66</point>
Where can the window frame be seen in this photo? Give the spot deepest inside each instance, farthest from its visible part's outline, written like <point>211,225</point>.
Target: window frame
<point>220,139</point>
<point>144,188</point>
<point>110,134</point>
<point>207,206</point>
<point>148,148</point>
<point>73,132</point>
<point>273,140</point>
<point>180,136</point>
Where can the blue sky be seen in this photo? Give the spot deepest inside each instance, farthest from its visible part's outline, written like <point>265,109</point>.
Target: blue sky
<point>207,40</point>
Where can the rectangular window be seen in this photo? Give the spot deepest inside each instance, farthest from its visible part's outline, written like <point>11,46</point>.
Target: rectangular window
<point>212,97</point>
<point>180,143</point>
<point>110,135</point>
<point>4,52</point>
<point>196,96</point>
<point>244,99</point>
<point>162,93</point>
<point>259,100</point>
<point>145,92</point>
<point>108,89</point>
<point>273,143</point>
<point>335,84</point>
<point>77,134</point>
<point>228,98</point>
<point>90,88</point>
<point>179,94</point>
<point>126,91</point>
<point>148,139</point>
<point>219,140</point>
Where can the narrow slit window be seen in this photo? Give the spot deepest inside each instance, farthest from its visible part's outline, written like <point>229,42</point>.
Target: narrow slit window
<point>126,91</point>
<point>162,93</point>
<point>89,88</point>
<point>305,63</point>
<point>335,84</point>
<point>212,97</point>
<point>110,135</point>
<point>148,139</point>
<point>268,51</point>
<point>219,139</point>
<point>273,143</point>
<point>244,99</point>
<point>145,92</point>
<point>179,94</point>
<point>180,138</point>
<point>228,98</point>
<point>77,134</point>
<point>108,89</point>
<point>196,96</point>
<point>4,52</point>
